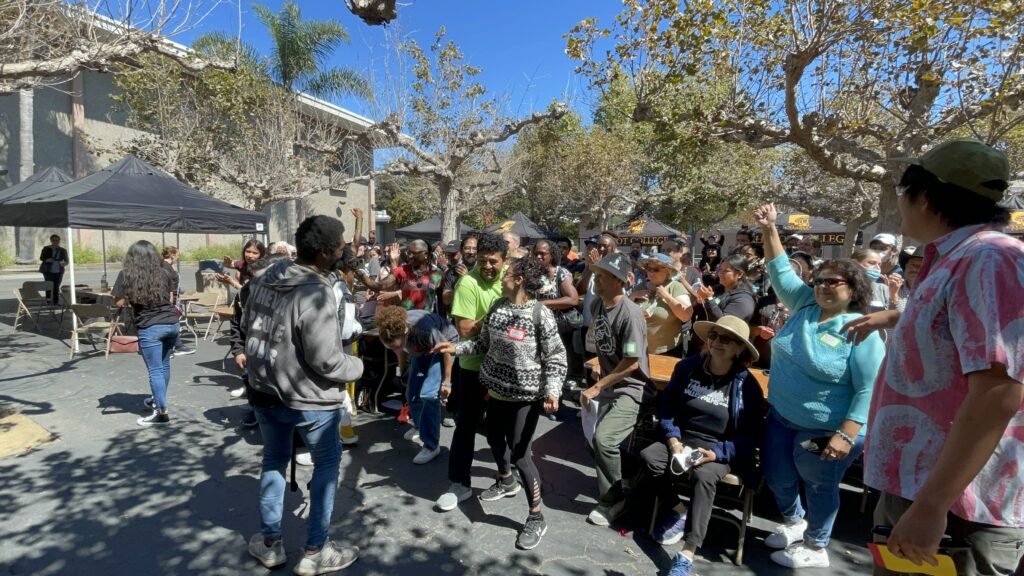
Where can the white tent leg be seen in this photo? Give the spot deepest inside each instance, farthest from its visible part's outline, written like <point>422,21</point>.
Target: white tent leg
<point>103,240</point>
<point>71,273</point>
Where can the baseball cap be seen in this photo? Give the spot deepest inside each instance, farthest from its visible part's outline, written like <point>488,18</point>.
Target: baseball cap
<point>617,264</point>
<point>969,164</point>
<point>663,259</point>
<point>453,247</point>
<point>591,240</point>
<point>884,238</point>
<point>798,237</point>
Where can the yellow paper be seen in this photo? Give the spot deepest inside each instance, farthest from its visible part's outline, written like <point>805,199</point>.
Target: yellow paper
<point>886,559</point>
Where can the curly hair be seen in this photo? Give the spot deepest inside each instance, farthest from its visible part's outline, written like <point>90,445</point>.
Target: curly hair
<point>855,277</point>
<point>556,252</point>
<point>491,244</point>
<point>144,278</point>
<point>318,234</point>
<point>390,322</point>
<point>534,274</point>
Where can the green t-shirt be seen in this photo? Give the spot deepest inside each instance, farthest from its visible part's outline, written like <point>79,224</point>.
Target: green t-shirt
<point>472,299</point>
<point>664,330</point>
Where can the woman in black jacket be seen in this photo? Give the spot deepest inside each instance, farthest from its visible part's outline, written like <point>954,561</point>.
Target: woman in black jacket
<point>54,259</point>
<point>711,414</point>
<point>737,298</point>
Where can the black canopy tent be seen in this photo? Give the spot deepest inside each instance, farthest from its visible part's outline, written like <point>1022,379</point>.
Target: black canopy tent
<point>41,181</point>
<point>647,229</point>
<point>829,232</point>
<point>429,230</point>
<point>128,195</point>
<point>519,224</point>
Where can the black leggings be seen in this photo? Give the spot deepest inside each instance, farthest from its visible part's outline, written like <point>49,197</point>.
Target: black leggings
<point>510,429</point>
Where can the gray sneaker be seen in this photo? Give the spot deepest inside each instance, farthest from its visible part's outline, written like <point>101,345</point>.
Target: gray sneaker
<point>532,532</point>
<point>272,556</point>
<point>502,487</point>
<point>330,558</point>
<point>456,493</point>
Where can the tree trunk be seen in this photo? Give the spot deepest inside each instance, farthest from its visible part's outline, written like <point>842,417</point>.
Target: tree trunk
<point>450,212</point>
<point>25,241</point>
<point>888,214</point>
<point>854,224</point>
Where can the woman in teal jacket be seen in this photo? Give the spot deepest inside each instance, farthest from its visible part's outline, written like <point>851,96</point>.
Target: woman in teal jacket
<point>819,394</point>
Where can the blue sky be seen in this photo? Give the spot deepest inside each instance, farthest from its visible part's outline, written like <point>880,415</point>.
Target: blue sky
<point>519,44</point>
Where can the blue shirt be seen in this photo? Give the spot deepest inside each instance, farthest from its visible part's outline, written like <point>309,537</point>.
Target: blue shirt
<point>818,380</point>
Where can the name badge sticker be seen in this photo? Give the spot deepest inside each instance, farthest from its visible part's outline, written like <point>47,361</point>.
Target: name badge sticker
<point>830,340</point>
<point>517,334</point>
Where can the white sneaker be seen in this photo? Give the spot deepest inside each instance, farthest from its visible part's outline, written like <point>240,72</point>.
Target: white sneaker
<point>800,556</point>
<point>237,392</point>
<point>603,516</point>
<point>412,434</point>
<point>330,558</point>
<point>456,493</point>
<point>786,535</point>
<point>269,556</point>
<point>304,458</point>
<point>426,455</point>
<point>350,440</point>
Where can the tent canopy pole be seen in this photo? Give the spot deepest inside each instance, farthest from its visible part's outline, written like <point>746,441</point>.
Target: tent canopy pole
<point>71,273</point>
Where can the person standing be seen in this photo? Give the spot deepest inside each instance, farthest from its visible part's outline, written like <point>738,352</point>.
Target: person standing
<point>819,395</point>
<point>53,260</point>
<point>946,422</point>
<point>559,295</point>
<point>170,256</point>
<point>666,307</point>
<point>885,245</point>
<point>737,299</point>
<point>474,295</point>
<point>297,366</point>
<point>620,336</point>
<point>147,285</point>
<point>417,279</point>
<point>411,334</point>
<point>523,370</point>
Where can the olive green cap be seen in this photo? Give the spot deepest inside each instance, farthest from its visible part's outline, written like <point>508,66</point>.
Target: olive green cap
<point>969,164</point>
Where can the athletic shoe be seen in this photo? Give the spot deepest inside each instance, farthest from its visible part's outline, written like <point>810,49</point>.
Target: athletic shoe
<point>785,535</point>
<point>249,420</point>
<point>272,556</point>
<point>412,434</point>
<point>426,455</point>
<point>681,566</point>
<point>800,556</point>
<point>154,419</point>
<point>671,529</point>
<point>503,487</point>
<point>605,515</point>
<point>237,392</point>
<point>149,403</point>
<point>448,422</point>
<point>330,558</point>
<point>184,351</point>
<point>532,532</point>
<point>456,493</point>
<point>304,458</point>
<point>350,440</point>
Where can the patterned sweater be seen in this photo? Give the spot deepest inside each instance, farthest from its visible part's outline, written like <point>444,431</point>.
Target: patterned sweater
<point>515,367</point>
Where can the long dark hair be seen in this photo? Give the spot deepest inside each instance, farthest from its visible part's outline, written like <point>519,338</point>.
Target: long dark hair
<point>739,263</point>
<point>553,249</point>
<point>145,281</point>
<point>855,277</point>
<point>244,273</point>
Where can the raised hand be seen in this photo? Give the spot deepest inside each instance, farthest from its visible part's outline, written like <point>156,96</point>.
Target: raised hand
<point>357,212</point>
<point>766,215</point>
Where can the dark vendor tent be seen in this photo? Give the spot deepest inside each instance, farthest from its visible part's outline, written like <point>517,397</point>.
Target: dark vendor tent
<point>429,230</point>
<point>829,232</point>
<point>39,182</point>
<point>646,228</point>
<point>520,224</point>
<point>130,195</point>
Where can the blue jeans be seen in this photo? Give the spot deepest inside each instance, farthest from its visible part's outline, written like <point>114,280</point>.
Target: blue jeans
<point>425,374</point>
<point>319,431</point>
<point>787,464</point>
<point>156,343</point>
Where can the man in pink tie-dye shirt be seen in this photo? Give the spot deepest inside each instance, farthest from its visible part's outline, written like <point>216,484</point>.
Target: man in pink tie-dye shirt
<point>945,442</point>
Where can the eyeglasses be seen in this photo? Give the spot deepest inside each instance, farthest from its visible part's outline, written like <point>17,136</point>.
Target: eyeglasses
<point>724,339</point>
<point>830,282</point>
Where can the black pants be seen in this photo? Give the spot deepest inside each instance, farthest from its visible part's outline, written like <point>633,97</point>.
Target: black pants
<point>471,408</point>
<point>510,430</point>
<point>574,358</point>
<point>56,278</point>
<point>704,484</point>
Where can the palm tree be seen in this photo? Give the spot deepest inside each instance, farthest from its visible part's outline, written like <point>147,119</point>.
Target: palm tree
<point>300,49</point>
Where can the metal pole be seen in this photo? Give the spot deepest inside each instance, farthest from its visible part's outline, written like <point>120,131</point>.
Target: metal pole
<point>177,262</point>
<point>103,242</point>
<point>71,273</point>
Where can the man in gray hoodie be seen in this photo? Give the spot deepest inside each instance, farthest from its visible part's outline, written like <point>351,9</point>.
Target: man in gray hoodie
<point>297,366</point>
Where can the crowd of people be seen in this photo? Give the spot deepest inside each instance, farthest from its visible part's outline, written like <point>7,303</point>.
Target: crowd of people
<point>908,360</point>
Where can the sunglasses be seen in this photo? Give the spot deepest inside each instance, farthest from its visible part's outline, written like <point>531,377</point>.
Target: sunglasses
<point>830,282</point>
<point>723,338</point>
